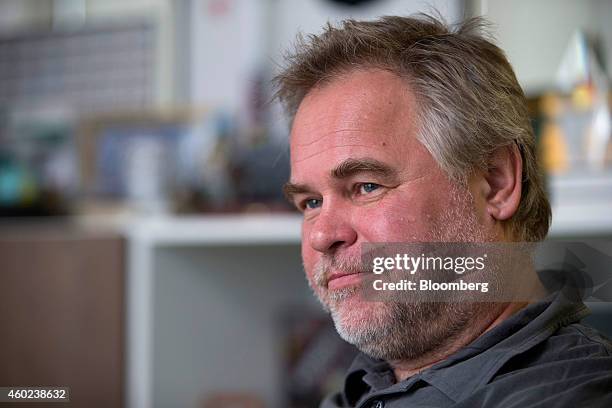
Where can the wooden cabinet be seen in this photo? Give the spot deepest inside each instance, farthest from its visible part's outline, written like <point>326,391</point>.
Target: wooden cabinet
<point>61,312</point>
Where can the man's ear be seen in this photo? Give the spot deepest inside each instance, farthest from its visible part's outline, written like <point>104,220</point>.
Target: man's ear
<point>504,179</point>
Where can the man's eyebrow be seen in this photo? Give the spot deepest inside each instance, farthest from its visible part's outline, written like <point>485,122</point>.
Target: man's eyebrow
<point>350,167</point>
<point>290,189</point>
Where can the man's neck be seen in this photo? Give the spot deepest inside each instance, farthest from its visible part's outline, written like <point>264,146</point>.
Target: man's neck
<point>406,369</point>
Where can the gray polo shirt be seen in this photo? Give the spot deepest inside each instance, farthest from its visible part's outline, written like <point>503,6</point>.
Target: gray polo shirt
<point>539,357</point>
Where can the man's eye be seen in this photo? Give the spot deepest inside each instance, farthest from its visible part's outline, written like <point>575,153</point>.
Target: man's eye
<point>365,188</point>
<point>313,203</point>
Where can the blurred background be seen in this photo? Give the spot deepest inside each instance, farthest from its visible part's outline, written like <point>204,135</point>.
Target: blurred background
<point>147,257</point>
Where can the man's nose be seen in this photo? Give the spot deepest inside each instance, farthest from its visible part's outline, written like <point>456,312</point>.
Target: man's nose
<point>332,230</point>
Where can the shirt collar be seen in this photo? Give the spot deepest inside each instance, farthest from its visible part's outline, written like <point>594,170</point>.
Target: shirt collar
<point>366,375</point>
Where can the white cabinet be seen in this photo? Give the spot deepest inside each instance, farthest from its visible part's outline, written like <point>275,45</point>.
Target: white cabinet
<point>204,296</point>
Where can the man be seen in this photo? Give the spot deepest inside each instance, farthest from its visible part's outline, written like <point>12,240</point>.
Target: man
<point>404,130</point>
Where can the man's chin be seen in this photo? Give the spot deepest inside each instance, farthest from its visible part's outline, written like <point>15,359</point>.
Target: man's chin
<point>380,329</point>
<point>360,321</point>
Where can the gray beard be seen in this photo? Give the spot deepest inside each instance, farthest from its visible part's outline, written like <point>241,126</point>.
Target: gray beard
<point>405,331</point>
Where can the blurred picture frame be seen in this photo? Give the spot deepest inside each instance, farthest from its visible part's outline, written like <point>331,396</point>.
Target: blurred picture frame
<point>131,159</point>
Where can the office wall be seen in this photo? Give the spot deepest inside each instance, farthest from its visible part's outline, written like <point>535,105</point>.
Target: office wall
<point>232,57</point>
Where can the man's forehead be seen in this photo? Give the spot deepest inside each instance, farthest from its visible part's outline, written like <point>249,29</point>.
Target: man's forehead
<point>372,108</point>
<point>356,100</point>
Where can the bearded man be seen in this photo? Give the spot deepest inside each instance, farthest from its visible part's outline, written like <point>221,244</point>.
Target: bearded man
<point>407,130</point>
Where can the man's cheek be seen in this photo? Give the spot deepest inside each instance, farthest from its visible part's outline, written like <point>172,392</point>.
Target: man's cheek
<point>409,218</point>
<point>309,261</point>
<point>389,224</point>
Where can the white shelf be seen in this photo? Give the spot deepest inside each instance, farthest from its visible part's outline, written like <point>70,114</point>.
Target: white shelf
<point>581,220</point>
<point>234,229</point>
<point>219,230</point>
<point>582,204</point>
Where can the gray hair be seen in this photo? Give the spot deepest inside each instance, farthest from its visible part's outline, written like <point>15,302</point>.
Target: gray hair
<point>469,101</point>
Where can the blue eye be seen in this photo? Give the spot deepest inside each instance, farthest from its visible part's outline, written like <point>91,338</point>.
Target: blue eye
<point>313,203</point>
<point>368,187</point>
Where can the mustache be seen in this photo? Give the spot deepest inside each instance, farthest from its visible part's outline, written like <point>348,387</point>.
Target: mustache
<point>329,264</point>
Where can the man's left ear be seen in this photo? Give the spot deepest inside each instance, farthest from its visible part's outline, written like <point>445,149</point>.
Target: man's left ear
<point>504,179</point>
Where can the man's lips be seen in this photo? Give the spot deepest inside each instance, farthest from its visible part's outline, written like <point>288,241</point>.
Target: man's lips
<point>343,279</point>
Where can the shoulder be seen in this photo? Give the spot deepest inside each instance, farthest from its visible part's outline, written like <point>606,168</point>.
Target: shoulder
<point>570,344</point>
<point>572,354</point>
<point>572,367</point>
